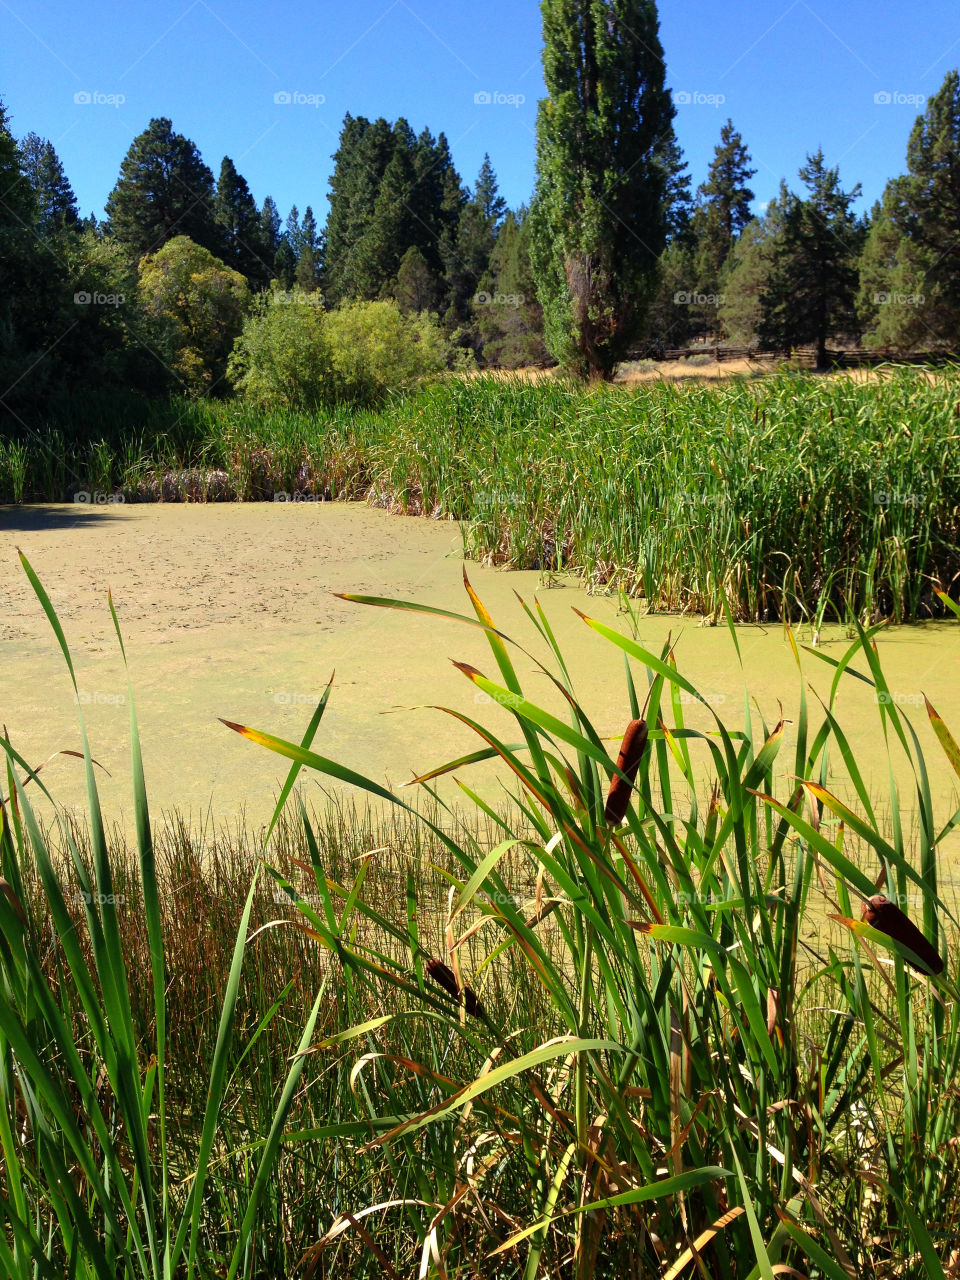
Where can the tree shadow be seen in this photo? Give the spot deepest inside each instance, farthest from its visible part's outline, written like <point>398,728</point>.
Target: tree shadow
<point>30,519</point>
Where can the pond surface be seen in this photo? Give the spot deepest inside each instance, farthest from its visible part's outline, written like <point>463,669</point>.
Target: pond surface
<point>228,611</point>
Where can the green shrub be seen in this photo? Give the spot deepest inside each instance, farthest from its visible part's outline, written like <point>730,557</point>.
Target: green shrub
<point>298,356</point>
<point>281,358</point>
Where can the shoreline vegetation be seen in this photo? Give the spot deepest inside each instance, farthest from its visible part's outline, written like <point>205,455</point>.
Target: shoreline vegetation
<point>789,497</point>
<point>568,1036</point>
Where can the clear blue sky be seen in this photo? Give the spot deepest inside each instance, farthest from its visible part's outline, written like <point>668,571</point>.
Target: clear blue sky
<point>793,75</point>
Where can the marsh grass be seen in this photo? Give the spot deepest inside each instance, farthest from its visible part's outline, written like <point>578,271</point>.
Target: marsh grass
<point>664,1073</point>
<point>788,497</point>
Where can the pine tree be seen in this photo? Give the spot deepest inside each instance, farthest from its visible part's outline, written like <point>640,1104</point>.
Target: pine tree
<point>242,245</point>
<point>392,228</point>
<point>487,197</point>
<point>164,190</point>
<point>723,208</point>
<point>813,283</point>
<point>307,274</point>
<point>360,162</point>
<point>511,322</point>
<point>910,273</point>
<point>677,197</point>
<point>599,217</point>
<point>416,288</point>
<point>56,204</point>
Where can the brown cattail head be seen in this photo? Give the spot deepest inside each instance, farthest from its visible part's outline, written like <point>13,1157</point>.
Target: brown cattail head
<point>628,761</point>
<point>882,914</point>
<point>442,973</point>
<point>6,888</point>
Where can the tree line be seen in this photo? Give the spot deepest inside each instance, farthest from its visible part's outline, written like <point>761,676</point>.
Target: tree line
<point>616,254</point>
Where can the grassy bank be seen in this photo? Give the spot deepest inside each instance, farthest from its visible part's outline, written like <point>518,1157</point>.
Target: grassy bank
<point>573,1037</point>
<point>792,496</point>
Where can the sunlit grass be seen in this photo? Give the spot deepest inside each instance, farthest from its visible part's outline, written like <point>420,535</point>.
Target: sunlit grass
<point>533,1041</point>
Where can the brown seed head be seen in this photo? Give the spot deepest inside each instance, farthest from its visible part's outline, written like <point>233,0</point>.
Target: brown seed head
<point>442,973</point>
<point>628,761</point>
<point>882,914</point>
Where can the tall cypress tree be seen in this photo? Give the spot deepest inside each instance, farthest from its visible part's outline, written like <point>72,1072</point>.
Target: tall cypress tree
<point>599,218</point>
<point>164,190</point>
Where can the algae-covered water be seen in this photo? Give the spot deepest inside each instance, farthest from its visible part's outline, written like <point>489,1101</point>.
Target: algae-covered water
<point>228,611</point>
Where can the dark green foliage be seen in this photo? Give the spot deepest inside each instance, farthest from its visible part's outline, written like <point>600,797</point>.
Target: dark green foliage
<point>164,190</point>
<point>511,318</point>
<point>56,205</point>
<point>599,217</point>
<point>245,247</point>
<point>910,274</point>
<point>813,281</point>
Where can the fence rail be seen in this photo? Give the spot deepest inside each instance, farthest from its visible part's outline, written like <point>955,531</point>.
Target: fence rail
<point>806,357</point>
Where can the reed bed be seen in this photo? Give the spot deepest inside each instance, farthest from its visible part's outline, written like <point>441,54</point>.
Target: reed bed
<point>788,497</point>
<point>589,1033</point>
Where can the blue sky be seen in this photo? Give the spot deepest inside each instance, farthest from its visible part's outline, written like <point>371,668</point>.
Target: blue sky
<point>793,75</point>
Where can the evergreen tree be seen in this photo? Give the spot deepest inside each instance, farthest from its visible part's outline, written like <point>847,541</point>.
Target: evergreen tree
<point>56,205</point>
<point>599,217</point>
<point>242,244</point>
<point>467,254</point>
<point>360,162</point>
<point>487,197</point>
<point>416,288</point>
<point>723,208</point>
<point>20,269</point>
<point>271,227</point>
<point>910,273</point>
<point>748,273</point>
<point>392,228</point>
<point>309,266</point>
<point>679,202</point>
<point>813,281</point>
<point>164,190</point>
<point>511,322</point>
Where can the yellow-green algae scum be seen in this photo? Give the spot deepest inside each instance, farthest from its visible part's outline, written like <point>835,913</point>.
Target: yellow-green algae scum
<point>229,611</point>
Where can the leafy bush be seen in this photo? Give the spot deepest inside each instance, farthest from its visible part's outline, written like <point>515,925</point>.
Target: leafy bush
<point>195,305</point>
<point>296,356</point>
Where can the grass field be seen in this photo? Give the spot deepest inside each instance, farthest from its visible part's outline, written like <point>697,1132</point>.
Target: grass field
<point>565,1037</point>
<point>789,496</point>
